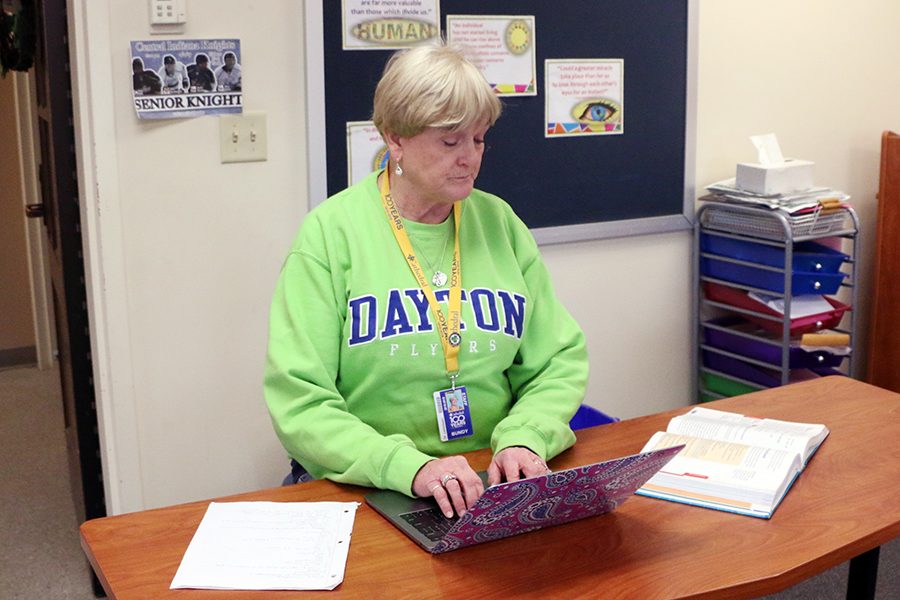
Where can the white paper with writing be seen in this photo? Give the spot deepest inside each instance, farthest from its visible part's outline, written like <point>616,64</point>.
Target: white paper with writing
<point>269,546</point>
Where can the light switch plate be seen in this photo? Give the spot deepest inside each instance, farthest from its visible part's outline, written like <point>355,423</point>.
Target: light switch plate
<point>167,16</point>
<point>242,138</point>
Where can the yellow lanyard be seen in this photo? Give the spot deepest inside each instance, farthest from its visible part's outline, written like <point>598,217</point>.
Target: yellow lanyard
<point>448,327</point>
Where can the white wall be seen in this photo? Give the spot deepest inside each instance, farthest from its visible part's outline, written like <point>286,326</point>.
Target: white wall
<point>180,280</point>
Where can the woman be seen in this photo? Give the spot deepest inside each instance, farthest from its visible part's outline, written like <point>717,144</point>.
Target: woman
<point>411,287</point>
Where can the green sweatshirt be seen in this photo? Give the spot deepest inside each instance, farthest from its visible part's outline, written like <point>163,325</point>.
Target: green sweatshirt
<point>355,358</point>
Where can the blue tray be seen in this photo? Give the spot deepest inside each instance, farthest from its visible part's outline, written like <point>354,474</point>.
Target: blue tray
<point>808,257</point>
<point>801,282</point>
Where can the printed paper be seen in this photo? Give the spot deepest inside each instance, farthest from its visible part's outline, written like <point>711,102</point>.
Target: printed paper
<point>502,47</point>
<point>366,150</point>
<point>390,24</point>
<point>584,97</point>
<point>186,78</point>
<point>268,546</point>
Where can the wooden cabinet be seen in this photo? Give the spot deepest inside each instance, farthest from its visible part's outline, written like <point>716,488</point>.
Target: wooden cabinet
<point>884,321</point>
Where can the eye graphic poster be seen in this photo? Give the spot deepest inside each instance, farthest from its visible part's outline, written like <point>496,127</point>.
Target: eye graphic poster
<point>584,97</point>
<point>502,47</point>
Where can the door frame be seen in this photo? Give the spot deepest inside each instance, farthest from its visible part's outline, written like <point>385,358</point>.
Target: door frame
<point>93,108</point>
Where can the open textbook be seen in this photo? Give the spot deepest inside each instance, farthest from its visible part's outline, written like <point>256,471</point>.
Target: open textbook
<point>731,462</point>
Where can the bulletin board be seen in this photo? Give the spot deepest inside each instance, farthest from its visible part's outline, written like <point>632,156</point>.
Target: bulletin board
<point>567,188</point>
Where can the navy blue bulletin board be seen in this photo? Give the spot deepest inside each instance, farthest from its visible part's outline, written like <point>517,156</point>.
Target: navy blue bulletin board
<point>567,188</point>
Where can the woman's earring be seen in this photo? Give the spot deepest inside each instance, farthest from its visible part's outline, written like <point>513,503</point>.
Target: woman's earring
<point>399,170</point>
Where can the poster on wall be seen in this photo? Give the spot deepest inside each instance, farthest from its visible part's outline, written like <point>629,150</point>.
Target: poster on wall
<point>502,47</point>
<point>584,96</point>
<point>173,79</point>
<point>366,150</point>
<point>389,24</point>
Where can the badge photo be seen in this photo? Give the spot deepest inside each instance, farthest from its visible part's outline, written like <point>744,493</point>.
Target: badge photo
<point>453,417</point>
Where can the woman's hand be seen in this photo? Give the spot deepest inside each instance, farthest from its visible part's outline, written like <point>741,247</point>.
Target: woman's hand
<point>451,481</point>
<point>510,462</point>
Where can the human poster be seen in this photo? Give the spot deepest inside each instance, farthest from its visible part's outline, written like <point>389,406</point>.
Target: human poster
<point>366,150</point>
<point>584,96</point>
<point>502,47</point>
<point>186,78</point>
<point>390,24</point>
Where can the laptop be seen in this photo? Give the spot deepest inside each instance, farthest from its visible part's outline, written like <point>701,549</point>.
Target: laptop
<point>508,509</point>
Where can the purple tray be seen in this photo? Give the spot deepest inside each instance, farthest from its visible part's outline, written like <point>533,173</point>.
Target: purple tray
<point>798,358</point>
<point>759,375</point>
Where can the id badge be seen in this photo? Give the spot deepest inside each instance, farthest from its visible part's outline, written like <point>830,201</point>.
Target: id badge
<point>452,407</point>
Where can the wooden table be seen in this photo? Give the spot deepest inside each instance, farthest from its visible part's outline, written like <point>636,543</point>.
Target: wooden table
<point>845,504</point>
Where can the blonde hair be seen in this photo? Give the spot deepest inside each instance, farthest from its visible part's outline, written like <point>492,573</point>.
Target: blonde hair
<point>432,86</point>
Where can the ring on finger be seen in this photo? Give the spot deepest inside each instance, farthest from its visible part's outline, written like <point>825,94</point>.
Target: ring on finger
<point>446,478</point>
<point>434,487</point>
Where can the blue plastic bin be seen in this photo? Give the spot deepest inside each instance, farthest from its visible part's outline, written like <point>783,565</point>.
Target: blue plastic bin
<point>815,267</point>
<point>588,416</point>
<point>801,282</point>
<point>808,257</point>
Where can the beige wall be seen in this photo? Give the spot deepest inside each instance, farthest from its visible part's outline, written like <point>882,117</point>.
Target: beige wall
<point>182,274</point>
<point>203,250</point>
<point>16,321</point>
<point>200,251</point>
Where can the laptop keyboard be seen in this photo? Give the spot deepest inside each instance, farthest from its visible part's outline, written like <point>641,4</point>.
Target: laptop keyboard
<point>430,522</point>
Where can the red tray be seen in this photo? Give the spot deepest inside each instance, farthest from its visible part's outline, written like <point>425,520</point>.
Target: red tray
<point>800,325</point>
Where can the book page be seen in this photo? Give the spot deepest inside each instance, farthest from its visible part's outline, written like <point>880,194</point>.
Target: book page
<point>744,474</point>
<point>799,438</point>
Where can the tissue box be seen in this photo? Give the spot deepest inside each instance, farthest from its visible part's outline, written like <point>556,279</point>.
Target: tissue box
<point>776,178</point>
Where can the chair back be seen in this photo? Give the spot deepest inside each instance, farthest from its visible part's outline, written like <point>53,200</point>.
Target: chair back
<point>588,416</point>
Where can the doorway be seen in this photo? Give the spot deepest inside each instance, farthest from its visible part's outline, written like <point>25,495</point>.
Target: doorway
<point>57,206</point>
<point>17,331</point>
<point>37,491</point>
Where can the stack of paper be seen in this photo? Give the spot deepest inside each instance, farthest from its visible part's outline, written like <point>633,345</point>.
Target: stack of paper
<point>269,546</point>
<point>794,203</point>
<point>801,306</point>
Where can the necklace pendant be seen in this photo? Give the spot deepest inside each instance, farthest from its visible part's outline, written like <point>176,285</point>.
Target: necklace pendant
<point>439,279</point>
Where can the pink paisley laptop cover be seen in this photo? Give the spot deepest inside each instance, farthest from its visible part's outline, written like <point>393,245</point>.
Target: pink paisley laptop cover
<point>562,497</point>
